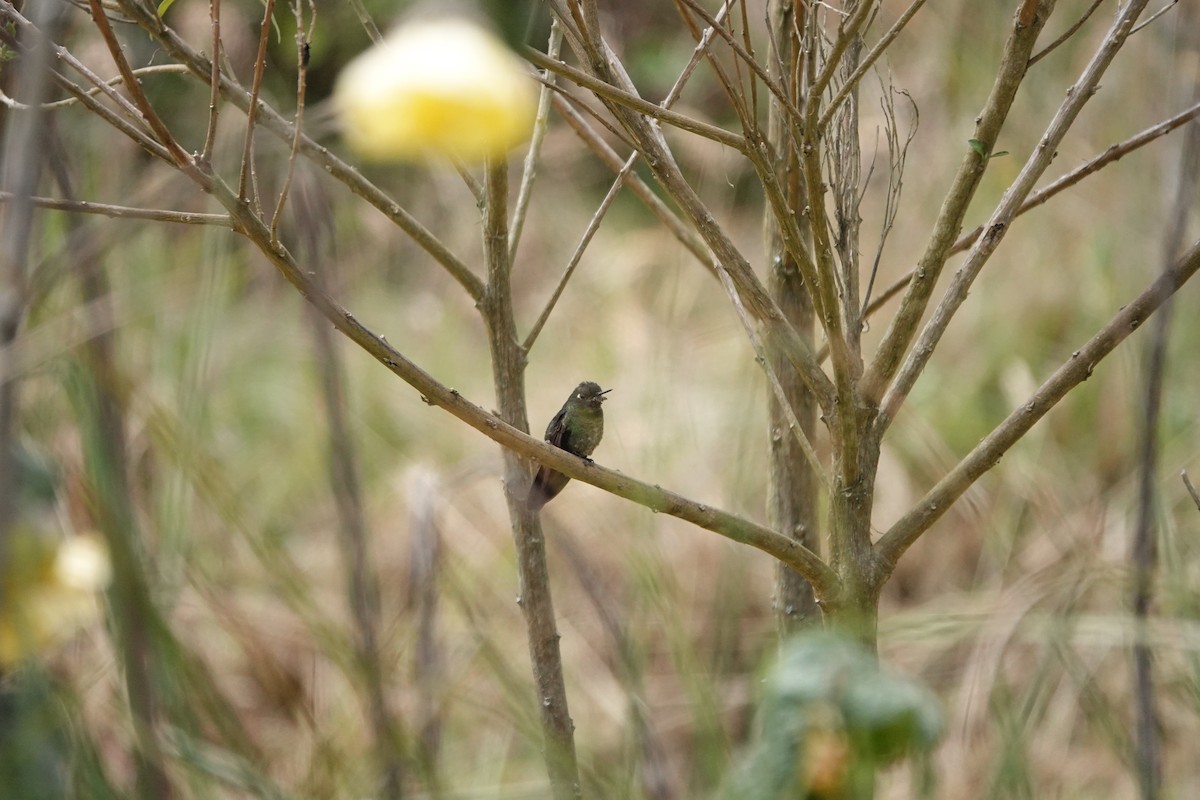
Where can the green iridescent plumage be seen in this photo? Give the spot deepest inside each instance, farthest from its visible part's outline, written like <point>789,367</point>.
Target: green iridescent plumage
<point>577,428</point>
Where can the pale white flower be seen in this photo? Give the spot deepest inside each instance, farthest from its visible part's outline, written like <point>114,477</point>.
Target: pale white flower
<point>436,87</point>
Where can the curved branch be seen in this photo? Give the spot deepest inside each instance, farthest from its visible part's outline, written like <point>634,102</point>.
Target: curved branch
<point>823,579</point>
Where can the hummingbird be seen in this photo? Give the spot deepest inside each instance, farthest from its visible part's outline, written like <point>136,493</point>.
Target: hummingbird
<point>576,428</point>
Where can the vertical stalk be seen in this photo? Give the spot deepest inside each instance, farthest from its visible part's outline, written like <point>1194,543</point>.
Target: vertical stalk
<point>361,585</point>
<point>99,396</point>
<point>1144,550</point>
<point>851,554</point>
<point>508,368</point>
<point>792,502</point>
<point>20,170</point>
<point>314,216</point>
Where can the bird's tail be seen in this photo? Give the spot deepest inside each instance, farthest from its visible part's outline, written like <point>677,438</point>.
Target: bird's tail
<point>546,486</point>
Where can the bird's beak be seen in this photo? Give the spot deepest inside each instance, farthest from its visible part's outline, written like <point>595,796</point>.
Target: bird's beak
<point>602,397</point>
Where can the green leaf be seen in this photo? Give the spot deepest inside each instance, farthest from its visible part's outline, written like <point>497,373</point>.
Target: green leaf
<point>978,147</point>
<point>163,6</point>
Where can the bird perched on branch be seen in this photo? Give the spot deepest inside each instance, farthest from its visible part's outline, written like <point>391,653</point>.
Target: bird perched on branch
<point>576,428</point>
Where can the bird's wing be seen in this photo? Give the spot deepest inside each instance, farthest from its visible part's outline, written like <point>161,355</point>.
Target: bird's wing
<point>557,432</point>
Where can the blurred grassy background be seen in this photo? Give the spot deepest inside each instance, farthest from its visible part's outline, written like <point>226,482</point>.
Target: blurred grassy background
<point>1013,608</point>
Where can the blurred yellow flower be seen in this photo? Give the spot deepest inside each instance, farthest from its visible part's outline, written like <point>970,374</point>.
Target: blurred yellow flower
<point>49,591</point>
<point>438,87</point>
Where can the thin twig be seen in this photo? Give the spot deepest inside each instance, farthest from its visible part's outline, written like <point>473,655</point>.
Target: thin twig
<point>214,82</point>
<point>248,176</point>
<point>630,100</point>
<point>650,141</point>
<point>134,87</point>
<point>1191,489</point>
<point>623,174</point>
<point>131,124</point>
<point>1154,16</point>
<point>592,226</point>
<point>124,212</point>
<point>200,66</point>
<point>686,235</point>
<point>867,62</point>
<point>703,40</point>
<point>470,181</point>
<point>157,69</point>
<point>732,88</point>
<point>133,117</point>
<point>302,50</point>
<point>1071,31</point>
<point>541,124</point>
<point>897,159</point>
<point>1094,165</point>
<point>1111,154</point>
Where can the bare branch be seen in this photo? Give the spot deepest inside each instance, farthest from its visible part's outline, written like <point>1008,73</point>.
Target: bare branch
<point>623,174</point>
<point>903,327</point>
<point>508,367</point>
<point>247,175</point>
<point>630,100</point>
<point>1154,16</point>
<point>157,69</point>
<point>1067,34</point>
<point>178,155</point>
<point>302,48</point>
<point>996,227</point>
<point>988,452</point>
<point>541,124</point>
<point>868,61</point>
<point>125,212</point>
<point>1113,153</point>
<point>273,121</point>
<point>592,226</point>
<point>1191,489</point>
<point>214,81</point>
<point>686,236</point>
